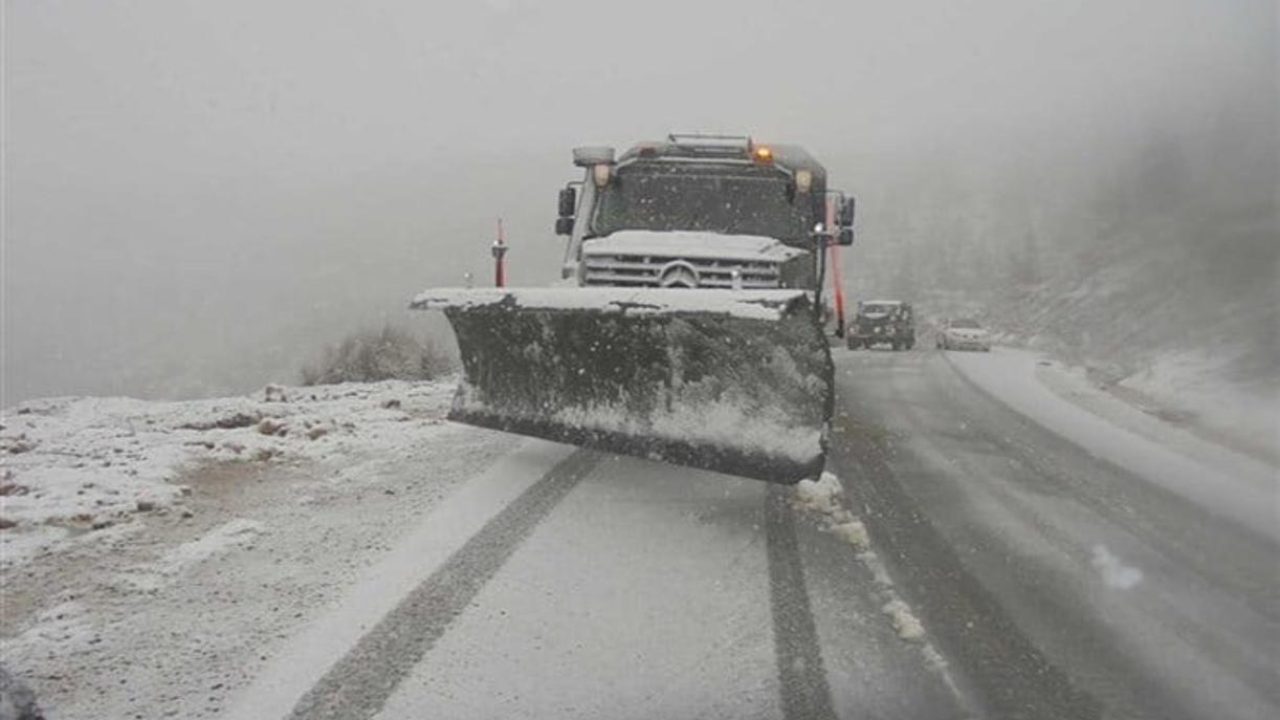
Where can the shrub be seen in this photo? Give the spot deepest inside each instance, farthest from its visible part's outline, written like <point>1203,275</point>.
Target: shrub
<point>372,355</point>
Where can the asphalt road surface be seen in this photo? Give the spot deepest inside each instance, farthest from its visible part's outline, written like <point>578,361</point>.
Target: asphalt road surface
<point>1050,581</point>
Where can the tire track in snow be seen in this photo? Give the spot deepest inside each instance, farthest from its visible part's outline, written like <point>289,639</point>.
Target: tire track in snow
<point>801,675</point>
<point>362,681</point>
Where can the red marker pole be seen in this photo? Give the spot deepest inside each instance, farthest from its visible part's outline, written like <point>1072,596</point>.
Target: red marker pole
<point>499,261</point>
<point>837,282</point>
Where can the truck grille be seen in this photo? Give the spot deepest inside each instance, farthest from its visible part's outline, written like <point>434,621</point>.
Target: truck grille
<point>647,271</point>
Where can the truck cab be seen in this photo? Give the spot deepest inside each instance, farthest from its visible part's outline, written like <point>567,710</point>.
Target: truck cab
<point>701,211</point>
<point>690,331</point>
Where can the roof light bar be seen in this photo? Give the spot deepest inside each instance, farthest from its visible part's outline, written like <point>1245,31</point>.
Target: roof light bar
<point>711,143</point>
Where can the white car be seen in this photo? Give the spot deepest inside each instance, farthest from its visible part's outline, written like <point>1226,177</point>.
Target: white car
<point>963,334</point>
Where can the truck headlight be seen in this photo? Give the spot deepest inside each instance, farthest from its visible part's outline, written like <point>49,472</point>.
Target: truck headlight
<point>804,181</point>
<point>601,173</point>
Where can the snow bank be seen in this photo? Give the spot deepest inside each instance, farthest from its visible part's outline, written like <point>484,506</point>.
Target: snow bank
<point>825,498</point>
<point>1237,488</point>
<point>905,623</point>
<point>1199,384</point>
<point>821,496</point>
<point>852,532</point>
<point>79,464</point>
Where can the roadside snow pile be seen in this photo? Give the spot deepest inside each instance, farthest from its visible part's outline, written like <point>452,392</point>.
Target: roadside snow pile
<point>852,532</point>
<point>820,496</point>
<point>824,497</point>
<point>904,622</point>
<point>77,464</point>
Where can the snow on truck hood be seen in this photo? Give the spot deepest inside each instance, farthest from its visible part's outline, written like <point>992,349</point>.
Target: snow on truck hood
<point>690,244</point>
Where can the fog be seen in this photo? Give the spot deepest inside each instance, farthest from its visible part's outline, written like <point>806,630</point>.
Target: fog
<point>198,197</point>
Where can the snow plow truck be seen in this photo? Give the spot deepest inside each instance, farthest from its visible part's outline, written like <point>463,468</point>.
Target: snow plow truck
<point>687,324</point>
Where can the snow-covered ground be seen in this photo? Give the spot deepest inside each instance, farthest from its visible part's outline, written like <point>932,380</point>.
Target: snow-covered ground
<point>1067,402</point>
<point>77,465</point>
<point>1200,389</point>
<point>1192,387</point>
<point>160,551</point>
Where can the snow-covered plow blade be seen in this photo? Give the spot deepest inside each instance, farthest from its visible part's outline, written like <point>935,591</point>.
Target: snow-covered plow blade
<point>738,382</point>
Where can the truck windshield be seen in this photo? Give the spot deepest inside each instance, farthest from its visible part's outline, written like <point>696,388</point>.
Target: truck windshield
<point>659,198</point>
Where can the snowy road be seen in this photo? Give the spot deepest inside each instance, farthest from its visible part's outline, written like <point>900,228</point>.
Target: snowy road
<point>588,585</point>
<point>1052,580</point>
<point>1066,566</point>
<point>1025,558</point>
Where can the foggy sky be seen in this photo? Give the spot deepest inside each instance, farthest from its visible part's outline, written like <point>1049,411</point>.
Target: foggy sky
<point>198,196</point>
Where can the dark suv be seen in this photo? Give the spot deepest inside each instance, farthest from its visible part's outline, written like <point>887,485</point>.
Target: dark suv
<point>890,322</point>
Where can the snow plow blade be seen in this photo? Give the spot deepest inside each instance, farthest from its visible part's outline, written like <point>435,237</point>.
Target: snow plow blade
<point>739,382</point>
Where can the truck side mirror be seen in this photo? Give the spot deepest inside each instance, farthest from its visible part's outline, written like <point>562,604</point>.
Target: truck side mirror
<point>846,236</point>
<point>564,226</point>
<point>846,215</point>
<point>568,202</point>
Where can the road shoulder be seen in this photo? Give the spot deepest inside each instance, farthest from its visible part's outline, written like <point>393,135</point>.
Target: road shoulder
<point>174,612</point>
